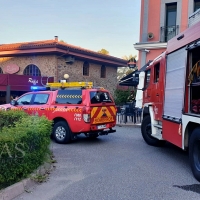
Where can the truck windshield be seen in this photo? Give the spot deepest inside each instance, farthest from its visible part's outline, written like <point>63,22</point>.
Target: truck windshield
<point>100,97</point>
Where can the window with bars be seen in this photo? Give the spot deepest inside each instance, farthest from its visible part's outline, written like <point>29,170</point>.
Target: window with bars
<point>85,68</point>
<point>103,71</point>
<point>1,71</point>
<point>32,70</point>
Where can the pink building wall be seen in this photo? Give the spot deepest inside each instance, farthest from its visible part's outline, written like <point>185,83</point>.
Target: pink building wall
<point>152,18</point>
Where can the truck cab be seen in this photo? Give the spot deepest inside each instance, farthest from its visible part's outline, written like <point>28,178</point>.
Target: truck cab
<point>153,91</point>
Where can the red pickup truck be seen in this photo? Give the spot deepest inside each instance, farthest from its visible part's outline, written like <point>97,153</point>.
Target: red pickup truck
<point>73,111</point>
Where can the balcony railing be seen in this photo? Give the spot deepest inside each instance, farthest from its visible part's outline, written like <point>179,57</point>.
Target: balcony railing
<point>168,32</point>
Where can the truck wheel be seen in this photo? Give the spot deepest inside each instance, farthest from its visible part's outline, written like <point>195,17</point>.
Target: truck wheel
<point>194,153</point>
<point>61,132</point>
<point>146,133</point>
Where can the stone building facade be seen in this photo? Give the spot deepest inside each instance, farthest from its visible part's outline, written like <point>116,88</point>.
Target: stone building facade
<point>52,58</point>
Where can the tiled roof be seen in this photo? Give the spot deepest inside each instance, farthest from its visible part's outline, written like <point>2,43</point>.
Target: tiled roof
<point>54,43</point>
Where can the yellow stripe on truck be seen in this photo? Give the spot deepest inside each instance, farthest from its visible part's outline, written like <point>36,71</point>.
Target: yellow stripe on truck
<point>113,109</point>
<point>93,111</point>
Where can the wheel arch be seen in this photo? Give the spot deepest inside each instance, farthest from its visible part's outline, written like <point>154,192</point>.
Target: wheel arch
<point>191,126</point>
<point>57,119</point>
<point>145,111</point>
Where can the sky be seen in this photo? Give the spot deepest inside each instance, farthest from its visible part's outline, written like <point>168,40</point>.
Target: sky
<point>92,24</point>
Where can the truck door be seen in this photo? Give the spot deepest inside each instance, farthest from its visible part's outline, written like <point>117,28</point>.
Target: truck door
<point>39,105</point>
<point>24,102</point>
<point>147,87</point>
<point>157,91</point>
<point>103,108</point>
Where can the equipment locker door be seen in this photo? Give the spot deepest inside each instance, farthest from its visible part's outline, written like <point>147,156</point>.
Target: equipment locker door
<point>174,96</point>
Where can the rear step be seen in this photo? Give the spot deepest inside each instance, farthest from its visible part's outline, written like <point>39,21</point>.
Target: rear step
<point>157,126</point>
<point>158,134</point>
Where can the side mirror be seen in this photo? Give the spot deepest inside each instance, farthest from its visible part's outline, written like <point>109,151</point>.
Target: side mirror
<point>13,103</point>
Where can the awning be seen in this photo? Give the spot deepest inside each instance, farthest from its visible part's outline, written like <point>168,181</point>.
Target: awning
<point>22,82</point>
<point>145,66</point>
<point>130,80</point>
<point>2,88</point>
<point>3,79</point>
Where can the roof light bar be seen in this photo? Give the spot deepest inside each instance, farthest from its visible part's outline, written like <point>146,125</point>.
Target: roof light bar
<point>37,88</point>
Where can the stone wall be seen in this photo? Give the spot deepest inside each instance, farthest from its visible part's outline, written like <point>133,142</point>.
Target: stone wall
<point>75,72</point>
<point>48,67</point>
<point>46,64</point>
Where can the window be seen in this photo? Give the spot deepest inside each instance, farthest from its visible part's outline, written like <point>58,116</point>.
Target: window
<point>32,70</point>
<point>40,99</point>
<point>86,69</point>
<point>196,5</point>
<point>1,71</point>
<point>103,71</point>
<point>171,11</point>
<point>147,78</point>
<point>156,72</point>
<point>69,96</point>
<point>25,100</point>
<point>100,97</point>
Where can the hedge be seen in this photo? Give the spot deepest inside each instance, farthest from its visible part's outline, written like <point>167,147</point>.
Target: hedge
<point>23,146</point>
<point>121,96</point>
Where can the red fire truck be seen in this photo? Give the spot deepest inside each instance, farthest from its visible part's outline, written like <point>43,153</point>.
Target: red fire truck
<point>171,96</point>
<point>74,108</point>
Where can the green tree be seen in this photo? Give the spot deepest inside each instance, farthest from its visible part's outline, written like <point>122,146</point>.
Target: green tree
<point>121,96</point>
<point>63,41</point>
<point>124,71</point>
<point>103,51</point>
<point>129,58</point>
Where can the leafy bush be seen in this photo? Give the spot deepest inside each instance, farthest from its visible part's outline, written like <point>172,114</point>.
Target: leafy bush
<point>7,119</point>
<point>23,146</point>
<point>121,96</point>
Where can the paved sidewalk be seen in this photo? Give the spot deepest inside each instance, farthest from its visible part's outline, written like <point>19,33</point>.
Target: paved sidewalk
<point>129,124</point>
<point>16,189</point>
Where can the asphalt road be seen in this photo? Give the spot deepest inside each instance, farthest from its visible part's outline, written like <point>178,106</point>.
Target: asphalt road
<point>118,166</point>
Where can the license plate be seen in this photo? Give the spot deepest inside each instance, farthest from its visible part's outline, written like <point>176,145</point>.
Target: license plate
<point>101,126</point>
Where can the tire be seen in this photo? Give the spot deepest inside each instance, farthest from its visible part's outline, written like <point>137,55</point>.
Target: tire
<point>146,133</point>
<point>194,153</point>
<point>61,132</point>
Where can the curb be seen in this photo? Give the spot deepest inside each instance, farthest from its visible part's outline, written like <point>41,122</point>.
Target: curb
<point>129,124</point>
<point>22,186</point>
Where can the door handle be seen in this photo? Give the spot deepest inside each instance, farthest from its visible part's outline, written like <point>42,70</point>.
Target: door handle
<point>24,108</point>
<point>157,95</point>
<point>42,108</point>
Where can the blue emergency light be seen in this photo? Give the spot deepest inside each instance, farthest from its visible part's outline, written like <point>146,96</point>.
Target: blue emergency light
<point>38,88</point>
